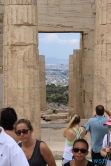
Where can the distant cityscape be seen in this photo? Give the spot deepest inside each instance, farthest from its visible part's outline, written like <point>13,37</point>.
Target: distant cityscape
<point>57,74</point>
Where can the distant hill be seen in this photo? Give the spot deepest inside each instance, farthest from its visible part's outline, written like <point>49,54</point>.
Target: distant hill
<point>51,60</point>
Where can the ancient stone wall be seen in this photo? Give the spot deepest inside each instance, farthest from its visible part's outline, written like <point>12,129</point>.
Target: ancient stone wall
<point>53,16</point>
<point>42,79</point>
<point>102,58</point>
<point>73,16</point>
<point>65,15</point>
<point>21,60</point>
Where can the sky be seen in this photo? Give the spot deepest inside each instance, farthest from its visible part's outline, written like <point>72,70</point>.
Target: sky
<point>59,45</point>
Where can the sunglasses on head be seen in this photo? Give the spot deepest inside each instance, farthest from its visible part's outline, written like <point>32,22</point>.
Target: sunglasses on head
<point>76,150</point>
<point>24,131</point>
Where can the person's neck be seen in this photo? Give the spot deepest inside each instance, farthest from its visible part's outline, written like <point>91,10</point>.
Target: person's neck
<point>77,125</point>
<point>8,131</point>
<point>78,163</point>
<point>28,143</point>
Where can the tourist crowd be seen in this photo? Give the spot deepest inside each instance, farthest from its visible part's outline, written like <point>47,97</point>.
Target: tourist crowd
<point>18,147</point>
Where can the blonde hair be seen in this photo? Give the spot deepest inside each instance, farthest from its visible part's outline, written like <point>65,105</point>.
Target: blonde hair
<point>75,119</point>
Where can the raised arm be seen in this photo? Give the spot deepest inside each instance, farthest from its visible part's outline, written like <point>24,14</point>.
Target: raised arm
<point>47,154</point>
<point>108,113</point>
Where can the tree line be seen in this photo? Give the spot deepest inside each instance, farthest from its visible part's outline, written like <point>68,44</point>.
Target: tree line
<point>57,94</point>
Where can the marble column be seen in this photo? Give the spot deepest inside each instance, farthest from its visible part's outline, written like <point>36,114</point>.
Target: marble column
<point>102,57</point>
<point>70,103</point>
<point>42,77</point>
<point>1,88</point>
<point>20,60</point>
<point>78,79</point>
<point>1,32</point>
<point>88,72</point>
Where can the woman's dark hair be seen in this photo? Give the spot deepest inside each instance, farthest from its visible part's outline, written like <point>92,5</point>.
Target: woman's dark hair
<point>83,141</point>
<point>8,117</point>
<point>25,121</point>
<point>100,110</point>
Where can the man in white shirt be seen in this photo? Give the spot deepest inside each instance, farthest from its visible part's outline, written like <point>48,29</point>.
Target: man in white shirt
<point>10,153</point>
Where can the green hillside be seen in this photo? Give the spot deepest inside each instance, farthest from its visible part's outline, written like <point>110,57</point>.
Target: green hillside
<point>57,94</point>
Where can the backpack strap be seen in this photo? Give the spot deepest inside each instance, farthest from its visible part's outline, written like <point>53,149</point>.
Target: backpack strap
<point>78,132</point>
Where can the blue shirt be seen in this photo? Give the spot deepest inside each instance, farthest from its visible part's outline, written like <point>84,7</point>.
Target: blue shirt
<point>97,131</point>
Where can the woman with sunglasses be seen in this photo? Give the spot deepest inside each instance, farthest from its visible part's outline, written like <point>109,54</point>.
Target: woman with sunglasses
<point>37,152</point>
<point>71,133</point>
<point>80,151</point>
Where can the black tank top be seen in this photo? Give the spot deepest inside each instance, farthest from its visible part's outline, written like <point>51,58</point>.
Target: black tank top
<point>36,158</point>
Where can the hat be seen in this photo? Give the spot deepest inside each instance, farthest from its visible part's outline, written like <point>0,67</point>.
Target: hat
<point>108,122</point>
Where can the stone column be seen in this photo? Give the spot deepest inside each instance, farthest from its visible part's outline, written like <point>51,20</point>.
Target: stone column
<point>1,87</point>
<point>1,32</point>
<point>70,104</point>
<point>42,77</point>
<point>20,60</point>
<point>102,58</point>
<point>87,72</point>
<point>78,102</point>
<point>74,83</point>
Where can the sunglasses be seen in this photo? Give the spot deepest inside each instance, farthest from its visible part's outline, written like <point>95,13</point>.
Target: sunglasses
<point>24,131</point>
<point>76,150</point>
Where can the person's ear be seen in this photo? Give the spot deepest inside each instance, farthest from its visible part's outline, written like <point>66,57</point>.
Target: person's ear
<point>32,130</point>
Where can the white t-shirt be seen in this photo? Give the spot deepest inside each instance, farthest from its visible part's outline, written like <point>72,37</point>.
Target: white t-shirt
<point>104,146</point>
<point>10,153</point>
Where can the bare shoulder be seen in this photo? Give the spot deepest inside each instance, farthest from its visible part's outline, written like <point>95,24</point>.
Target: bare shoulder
<point>70,135</point>
<point>43,146</point>
<point>67,132</point>
<point>47,154</point>
<point>72,163</point>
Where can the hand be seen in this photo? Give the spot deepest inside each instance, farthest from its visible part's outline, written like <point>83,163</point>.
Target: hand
<point>108,149</point>
<point>107,112</point>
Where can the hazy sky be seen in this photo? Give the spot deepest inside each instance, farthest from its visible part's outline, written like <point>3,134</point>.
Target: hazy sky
<point>59,45</point>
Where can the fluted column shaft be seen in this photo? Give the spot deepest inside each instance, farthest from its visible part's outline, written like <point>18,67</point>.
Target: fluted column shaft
<point>20,60</point>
